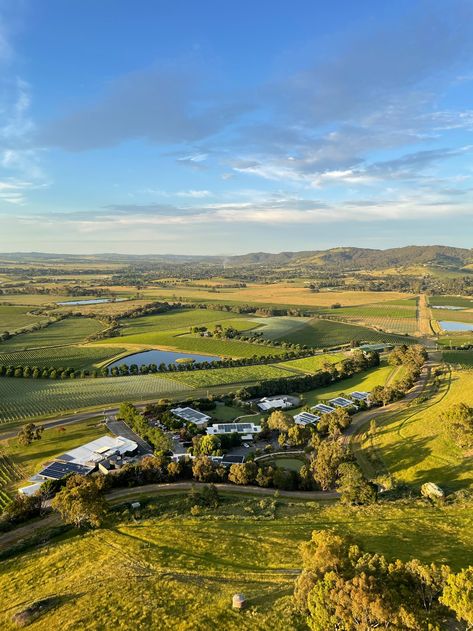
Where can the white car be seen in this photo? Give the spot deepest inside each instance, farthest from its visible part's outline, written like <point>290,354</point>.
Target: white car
<point>246,446</point>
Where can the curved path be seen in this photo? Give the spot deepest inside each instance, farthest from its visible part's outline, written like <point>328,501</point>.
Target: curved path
<point>135,493</point>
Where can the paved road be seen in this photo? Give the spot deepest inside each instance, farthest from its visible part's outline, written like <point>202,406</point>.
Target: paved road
<point>129,494</point>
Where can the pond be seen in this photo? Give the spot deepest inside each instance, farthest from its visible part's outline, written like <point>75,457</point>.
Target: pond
<point>92,301</point>
<point>456,326</point>
<point>144,358</point>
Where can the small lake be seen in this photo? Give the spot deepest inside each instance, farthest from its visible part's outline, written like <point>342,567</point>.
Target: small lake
<point>92,301</point>
<point>456,326</point>
<point>161,357</point>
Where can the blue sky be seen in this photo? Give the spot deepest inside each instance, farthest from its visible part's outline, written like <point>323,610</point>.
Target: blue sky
<point>217,127</point>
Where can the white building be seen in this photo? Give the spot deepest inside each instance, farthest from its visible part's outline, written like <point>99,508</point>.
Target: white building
<point>280,403</point>
<point>246,430</point>
<point>306,418</point>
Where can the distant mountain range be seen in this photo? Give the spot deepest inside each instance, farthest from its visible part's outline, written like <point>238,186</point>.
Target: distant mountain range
<point>340,258</point>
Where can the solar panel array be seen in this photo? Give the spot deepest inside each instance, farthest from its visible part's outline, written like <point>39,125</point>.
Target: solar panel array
<point>325,409</point>
<point>341,402</point>
<point>359,396</point>
<point>306,418</point>
<point>228,428</point>
<point>57,470</point>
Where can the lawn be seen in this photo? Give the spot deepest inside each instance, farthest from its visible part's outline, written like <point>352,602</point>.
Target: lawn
<point>173,571</point>
<point>414,445</point>
<point>28,398</point>
<point>69,331</point>
<point>77,357</point>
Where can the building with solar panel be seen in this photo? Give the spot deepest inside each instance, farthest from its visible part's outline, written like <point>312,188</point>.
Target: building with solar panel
<point>306,418</point>
<point>246,430</point>
<point>192,416</point>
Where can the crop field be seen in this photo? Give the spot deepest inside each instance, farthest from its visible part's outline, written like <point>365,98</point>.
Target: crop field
<point>364,381</point>
<point>465,315</point>
<point>175,571</point>
<point>464,359</point>
<point>455,339</point>
<point>275,328</point>
<point>321,333</point>
<point>13,318</point>
<point>77,357</point>
<point>315,363</point>
<point>10,472</point>
<point>395,317</point>
<point>21,399</point>
<point>182,340</point>
<point>239,374</point>
<point>69,331</point>
<point>414,445</point>
<point>452,301</point>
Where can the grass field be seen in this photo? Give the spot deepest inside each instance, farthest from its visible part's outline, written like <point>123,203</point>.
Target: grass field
<point>321,333</point>
<point>463,359</point>
<point>26,398</point>
<point>275,328</point>
<point>237,375</point>
<point>173,571</point>
<point>13,318</point>
<point>452,301</point>
<point>455,339</point>
<point>314,363</point>
<point>364,381</point>
<point>77,357</point>
<point>414,445</point>
<point>69,331</point>
<point>172,320</point>
<point>465,315</point>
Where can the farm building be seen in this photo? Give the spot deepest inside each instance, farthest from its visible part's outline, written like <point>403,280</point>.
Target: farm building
<point>192,416</point>
<point>306,418</point>
<point>379,348</point>
<point>280,403</point>
<point>323,409</point>
<point>341,402</point>
<point>247,430</point>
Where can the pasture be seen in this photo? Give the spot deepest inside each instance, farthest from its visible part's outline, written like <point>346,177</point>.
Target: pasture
<point>414,446</point>
<point>14,318</point>
<point>170,570</point>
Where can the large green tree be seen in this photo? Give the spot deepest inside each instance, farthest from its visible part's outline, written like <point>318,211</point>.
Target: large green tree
<point>81,502</point>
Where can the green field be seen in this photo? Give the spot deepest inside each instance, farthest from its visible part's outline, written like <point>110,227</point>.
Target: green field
<point>175,319</point>
<point>414,445</point>
<point>13,318</point>
<point>239,374</point>
<point>26,398</point>
<point>459,358</point>
<point>314,363</point>
<point>453,316</point>
<point>396,317</point>
<point>364,381</point>
<point>321,333</point>
<point>69,331</point>
<point>451,301</point>
<point>77,357</point>
<point>173,571</point>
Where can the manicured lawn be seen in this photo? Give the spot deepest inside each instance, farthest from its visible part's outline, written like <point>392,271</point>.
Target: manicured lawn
<point>172,567</point>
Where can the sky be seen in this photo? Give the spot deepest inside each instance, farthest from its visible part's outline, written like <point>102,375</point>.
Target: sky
<point>210,127</point>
